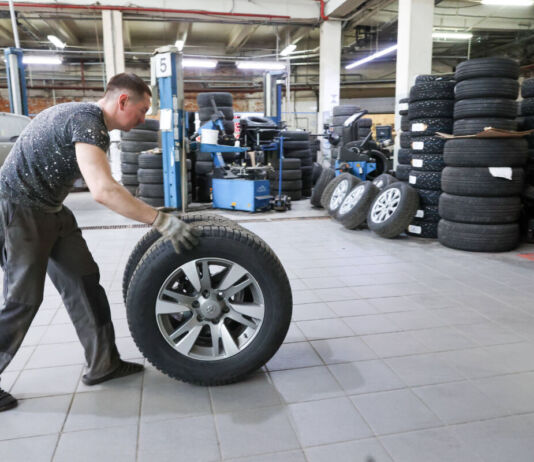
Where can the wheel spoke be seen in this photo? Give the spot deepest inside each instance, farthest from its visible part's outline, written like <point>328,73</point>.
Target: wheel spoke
<point>237,317</point>
<point>164,307</point>
<point>180,298</point>
<point>205,281</point>
<point>234,274</point>
<point>191,271</point>
<point>215,331</point>
<point>184,346</point>
<point>238,288</point>
<point>253,310</point>
<point>185,327</point>
<point>230,347</point>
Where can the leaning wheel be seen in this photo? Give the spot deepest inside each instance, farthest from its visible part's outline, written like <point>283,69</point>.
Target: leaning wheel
<point>338,195</point>
<point>214,314</point>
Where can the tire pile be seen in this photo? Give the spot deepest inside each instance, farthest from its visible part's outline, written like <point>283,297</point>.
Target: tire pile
<point>291,178</point>
<point>296,146</point>
<point>339,115</point>
<point>143,137</point>
<point>430,111</point>
<point>527,123</point>
<point>484,178</point>
<point>150,178</point>
<point>404,155</point>
<point>203,163</point>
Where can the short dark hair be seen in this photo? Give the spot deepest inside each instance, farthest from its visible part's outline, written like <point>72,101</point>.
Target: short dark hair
<point>128,81</point>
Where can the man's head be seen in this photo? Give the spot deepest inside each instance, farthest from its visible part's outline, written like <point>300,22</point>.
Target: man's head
<point>126,101</point>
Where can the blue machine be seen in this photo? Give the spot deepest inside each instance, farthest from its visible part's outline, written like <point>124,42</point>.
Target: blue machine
<point>241,194</point>
<point>361,169</point>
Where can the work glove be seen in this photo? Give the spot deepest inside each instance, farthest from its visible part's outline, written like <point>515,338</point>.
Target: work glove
<point>178,232</point>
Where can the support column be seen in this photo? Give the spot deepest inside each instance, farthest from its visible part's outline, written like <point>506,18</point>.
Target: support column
<point>329,70</point>
<point>414,53</point>
<point>113,43</point>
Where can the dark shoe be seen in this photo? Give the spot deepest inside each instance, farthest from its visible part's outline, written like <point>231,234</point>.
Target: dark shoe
<point>125,368</point>
<point>6,401</point>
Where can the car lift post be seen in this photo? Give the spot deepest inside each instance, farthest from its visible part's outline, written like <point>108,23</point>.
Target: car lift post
<point>16,81</point>
<point>167,69</point>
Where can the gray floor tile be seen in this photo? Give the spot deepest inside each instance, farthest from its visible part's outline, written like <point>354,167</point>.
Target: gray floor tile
<point>394,344</point>
<point>180,440</point>
<point>497,440</point>
<point>489,333</point>
<point>368,450</point>
<point>256,391</point>
<point>255,432</point>
<point>307,384</point>
<point>323,282</point>
<point>352,307</point>
<point>423,370</point>
<point>519,357</point>
<point>59,333</point>
<point>324,329</point>
<point>103,445</point>
<point>33,417</point>
<point>365,377</point>
<point>394,304</point>
<point>312,311</point>
<point>389,290</point>
<point>291,456</point>
<point>34,335</point>
<point>395,412</point>
<point>372,324</point>
<point>459,316</point>
<point>512,392</point>
<point>419,319</point>
<point>294,334</point>
<point>166,398</point>
<point>436,445</point>
<point>474,362</point>
<point>442,339</point>
<point>63,354</point>
<point>8,379</point>
<point>336,294</point>
<point>130,381</point>
<point>106,408</point>
<point>327,421</point>
<point>459,402</point>
<point>43,317</point>
<point>20,359</point>
<point>305,296</point>
<point>33,383</point>
<point>294,355</point>
<point>343,350</point>
<point>35,449</point>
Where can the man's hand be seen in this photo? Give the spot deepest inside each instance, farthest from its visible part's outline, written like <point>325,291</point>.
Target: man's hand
<point>179,232</point>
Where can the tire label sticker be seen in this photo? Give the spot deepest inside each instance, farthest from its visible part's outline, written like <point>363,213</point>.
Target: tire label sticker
<point>420,214</point>
<point>419,127</point>
<point>418,145</point>
<point>501,172</point>
<point>414,229</point>
<point>403,106</point>
<point>412,179</point>
<point>417,163</point>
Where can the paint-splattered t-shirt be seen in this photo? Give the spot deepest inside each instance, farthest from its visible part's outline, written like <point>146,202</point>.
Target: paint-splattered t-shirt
<point>42,167</point>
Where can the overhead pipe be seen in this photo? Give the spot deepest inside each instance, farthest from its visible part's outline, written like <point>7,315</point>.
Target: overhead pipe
<point>323,16</point>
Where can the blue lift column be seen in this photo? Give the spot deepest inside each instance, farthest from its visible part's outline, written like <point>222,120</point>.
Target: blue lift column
<point>16,81</point>
<point>168,71</point>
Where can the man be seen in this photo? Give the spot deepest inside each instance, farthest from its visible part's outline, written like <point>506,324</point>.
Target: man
<point>40,235</point>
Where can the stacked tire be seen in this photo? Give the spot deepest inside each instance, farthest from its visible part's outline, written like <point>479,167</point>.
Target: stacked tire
<point>340,114</point>
<point>291,178</point>
<point>527,123</point>
<point>143,137</point>
<point>297,146</point>
<point>203,163</point>
<point>484,177</point>
<point>150,178</point>
<point>402,170</point>
<point>430,111</point>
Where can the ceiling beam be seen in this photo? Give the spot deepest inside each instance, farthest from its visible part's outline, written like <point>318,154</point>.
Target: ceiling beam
<point>341,8</point>
<point>239,36</point>
<point>6,33</point>
<point>65,31</point>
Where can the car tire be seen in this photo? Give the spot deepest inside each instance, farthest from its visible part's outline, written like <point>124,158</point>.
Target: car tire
<point>487,88</point>
<point>481,210</point>
<point>485,107</point>
<point>354,208</point>
<point>494,152</point>
<point>484,67</point>
<point>325,177</point>
<point>478,182</point>
<point>477,125</point>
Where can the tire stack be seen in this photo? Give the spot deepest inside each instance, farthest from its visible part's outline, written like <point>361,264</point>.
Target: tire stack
<point>484,177</point>
<point>364,127</point>
<point>297,146</point>
<point>143,137</point>
<point>340,114</point>
<point>315,147</point>
<point>150,178</point>
<point>527,123</point>
<point>404,158</point>
<point>430,111</point>
<point>203,165</point>
<point>291,178</point>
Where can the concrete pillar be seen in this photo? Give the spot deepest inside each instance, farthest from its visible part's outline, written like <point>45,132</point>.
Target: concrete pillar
<point>414,53</point>
<point>329,70</point>
<point>113,43</point>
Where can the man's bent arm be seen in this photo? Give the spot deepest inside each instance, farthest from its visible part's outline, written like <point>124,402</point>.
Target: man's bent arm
<point>96,172</point>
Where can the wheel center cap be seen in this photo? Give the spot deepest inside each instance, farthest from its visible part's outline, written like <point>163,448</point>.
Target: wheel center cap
<point>210,309</point>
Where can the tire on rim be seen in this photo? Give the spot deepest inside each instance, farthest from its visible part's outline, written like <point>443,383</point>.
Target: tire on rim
<point>339,193</point>
<point>353,211</point>
<point>325,196</point>
<point>393,210</point>
<point>326,176</point>
<point>211,315</point>
<point>381,181</point>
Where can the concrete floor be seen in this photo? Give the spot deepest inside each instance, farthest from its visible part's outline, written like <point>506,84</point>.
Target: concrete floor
<point>399,350</point>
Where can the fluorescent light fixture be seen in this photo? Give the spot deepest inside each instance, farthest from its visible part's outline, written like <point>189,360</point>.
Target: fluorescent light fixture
<point>372,57</point>
<point>261,65</point>
<point>206,63</point>
<point>508,2</point>
<point>41,59</point>
<point>452,35</point>
<point>56,41</point>
<point>288,50</point>
<point>179,44</point>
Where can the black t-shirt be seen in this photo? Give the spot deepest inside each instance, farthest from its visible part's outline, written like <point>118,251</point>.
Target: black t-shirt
<point>42,167</point>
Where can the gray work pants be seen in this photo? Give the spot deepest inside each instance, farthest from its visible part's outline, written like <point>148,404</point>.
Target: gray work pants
<point>34,243</point>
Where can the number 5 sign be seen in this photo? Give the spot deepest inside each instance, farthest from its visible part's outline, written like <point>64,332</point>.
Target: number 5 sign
<point>163,65</point>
